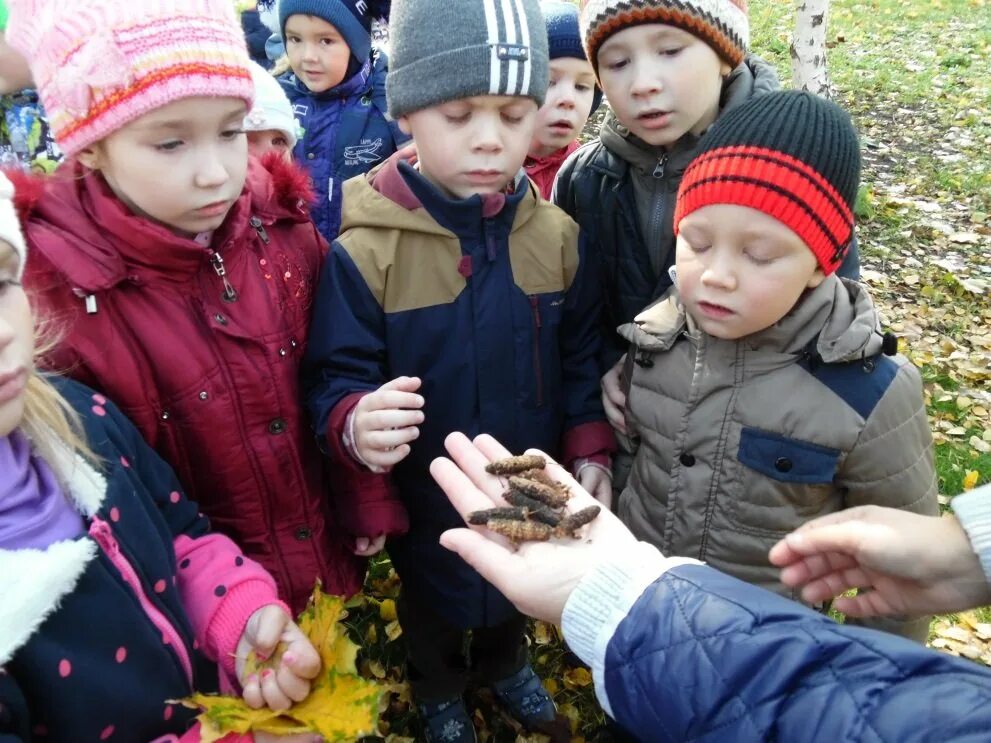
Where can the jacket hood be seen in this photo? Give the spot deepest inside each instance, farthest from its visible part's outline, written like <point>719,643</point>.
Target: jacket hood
<point>838,317</point>
<point>393,196</point>
<point>76,205</point>
<point>752,77</point>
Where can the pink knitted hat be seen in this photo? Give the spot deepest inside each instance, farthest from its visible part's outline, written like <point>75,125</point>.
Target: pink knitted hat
<point>100,64</point>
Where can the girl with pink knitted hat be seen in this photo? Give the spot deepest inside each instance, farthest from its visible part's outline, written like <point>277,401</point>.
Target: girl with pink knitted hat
<point>180,272</point>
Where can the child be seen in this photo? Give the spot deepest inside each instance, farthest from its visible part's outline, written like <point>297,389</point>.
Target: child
<point>270,124</point>
<point>455,299</point>
<point>572,96</point>
<point>159,241</point>
<point>761,390</point>
<point>337,88</point>
<point>116,598</point>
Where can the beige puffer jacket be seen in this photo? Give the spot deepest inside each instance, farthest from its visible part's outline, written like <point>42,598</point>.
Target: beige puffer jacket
<point>740,442</point>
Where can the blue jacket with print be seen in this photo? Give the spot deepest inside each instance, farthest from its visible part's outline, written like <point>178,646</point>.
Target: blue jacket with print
<point>489,302</point>
<point>346,132</point>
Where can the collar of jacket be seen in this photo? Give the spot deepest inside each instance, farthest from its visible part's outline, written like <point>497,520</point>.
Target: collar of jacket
<point>114,245</point>
<point>395,195</point>
<point>838,317</point>
<point>33,582</point>
<point>552,160</point>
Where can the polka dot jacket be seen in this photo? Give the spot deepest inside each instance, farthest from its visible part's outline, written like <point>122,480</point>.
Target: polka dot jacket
<point>98,633</point>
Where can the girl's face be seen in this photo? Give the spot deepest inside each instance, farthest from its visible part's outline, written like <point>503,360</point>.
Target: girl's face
<point>16,341</point>
<point>182,165</point>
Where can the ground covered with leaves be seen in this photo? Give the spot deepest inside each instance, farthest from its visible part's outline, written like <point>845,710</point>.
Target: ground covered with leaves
<point>915,77</point>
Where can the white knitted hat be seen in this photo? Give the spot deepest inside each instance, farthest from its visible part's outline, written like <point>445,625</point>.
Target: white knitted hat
<point>272,109</point>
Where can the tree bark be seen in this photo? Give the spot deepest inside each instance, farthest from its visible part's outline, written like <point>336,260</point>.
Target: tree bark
<point>808,47</point>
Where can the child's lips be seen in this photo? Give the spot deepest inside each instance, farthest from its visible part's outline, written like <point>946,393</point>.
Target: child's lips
<point>654,119</point>
<point>714,311</point>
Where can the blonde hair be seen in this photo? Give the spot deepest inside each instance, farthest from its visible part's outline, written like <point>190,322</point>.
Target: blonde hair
<point>49,421</point>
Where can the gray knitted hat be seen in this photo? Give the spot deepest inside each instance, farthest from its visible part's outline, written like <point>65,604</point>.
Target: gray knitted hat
<point>443,50</point>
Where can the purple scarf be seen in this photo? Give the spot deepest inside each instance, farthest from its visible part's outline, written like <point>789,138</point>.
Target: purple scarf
<point>34,513</point>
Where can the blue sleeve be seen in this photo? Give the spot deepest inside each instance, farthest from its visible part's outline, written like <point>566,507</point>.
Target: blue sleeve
<point>581,341</point>
<point>346,350</point>
<point>702,656</point>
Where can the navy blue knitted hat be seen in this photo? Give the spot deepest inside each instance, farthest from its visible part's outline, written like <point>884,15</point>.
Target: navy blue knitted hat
<point>564,37</point>
<point>352,18</point>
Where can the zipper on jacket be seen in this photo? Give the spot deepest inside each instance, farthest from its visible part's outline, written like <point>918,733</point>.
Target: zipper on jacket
<point>537,370</point>
<point>661,166</point>
<point>491,249</point>
<point>260,229</point>
<point>229,295</point>
<point>103,535</point>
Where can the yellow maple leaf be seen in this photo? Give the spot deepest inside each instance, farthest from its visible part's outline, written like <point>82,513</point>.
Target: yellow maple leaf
<point>341,705</point>
<point>970,479</point>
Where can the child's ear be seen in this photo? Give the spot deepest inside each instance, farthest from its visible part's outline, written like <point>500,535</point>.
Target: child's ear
<point>90,157</point>
<point>817,278</point>
<point>404,126</point>
<point>725,69</point>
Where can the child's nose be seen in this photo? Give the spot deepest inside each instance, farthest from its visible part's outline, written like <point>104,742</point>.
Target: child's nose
<point>645,80</point>
<point>211,171</point>
<point>719,276</point>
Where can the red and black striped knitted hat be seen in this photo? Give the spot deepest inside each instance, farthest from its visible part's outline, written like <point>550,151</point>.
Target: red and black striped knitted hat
<point>722,24</point>
<point>790,154</point>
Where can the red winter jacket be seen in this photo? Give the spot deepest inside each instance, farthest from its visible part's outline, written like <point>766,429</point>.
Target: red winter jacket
<point>211,384</point>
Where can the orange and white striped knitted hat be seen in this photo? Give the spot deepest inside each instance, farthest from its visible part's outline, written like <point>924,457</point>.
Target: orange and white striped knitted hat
<point>100,64</point>
<point>722,24</point>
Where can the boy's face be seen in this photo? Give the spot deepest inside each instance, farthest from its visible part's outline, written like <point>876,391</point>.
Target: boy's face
<point>270,139</point>
<point>661,82</point>
<point>472,145</point>
<point>16,341</point>
<point>739,270</point>
<point>182,165</point>
<point>317,52</point>
<point>567,106</point>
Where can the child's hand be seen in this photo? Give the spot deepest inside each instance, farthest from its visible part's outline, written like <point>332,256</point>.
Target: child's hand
<point>368,546</point>
<point>598,483</point>
<point>613,399</point>
<point>300,663</point>
<point>385,422</point>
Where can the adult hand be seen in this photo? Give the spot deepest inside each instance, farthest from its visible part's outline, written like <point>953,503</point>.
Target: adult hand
<point>538,577</point>
<point>910,564</point>
<point>368,546</point>
<point>385,422</point>
<point>300,662</point>
<point>613,399</point>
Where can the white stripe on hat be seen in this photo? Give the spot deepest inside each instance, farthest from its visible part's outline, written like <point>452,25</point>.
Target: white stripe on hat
<point>492,24</point>
<point>525,41</point>
<point>508,11</point>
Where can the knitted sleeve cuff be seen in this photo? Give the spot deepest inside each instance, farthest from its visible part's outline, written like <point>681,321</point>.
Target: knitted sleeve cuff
<point>973,511</point>
<point>602,600</point>
<point>228,623</point>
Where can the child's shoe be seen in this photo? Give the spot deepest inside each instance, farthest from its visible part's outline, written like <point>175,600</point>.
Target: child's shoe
<point>447,722</point>
<point>526,698</point>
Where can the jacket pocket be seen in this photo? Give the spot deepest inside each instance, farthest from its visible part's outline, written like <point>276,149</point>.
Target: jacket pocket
<point>778,483</point>
<point>787,460</point>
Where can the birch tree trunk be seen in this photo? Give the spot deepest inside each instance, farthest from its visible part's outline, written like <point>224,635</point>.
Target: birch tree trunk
<point>808,47</point>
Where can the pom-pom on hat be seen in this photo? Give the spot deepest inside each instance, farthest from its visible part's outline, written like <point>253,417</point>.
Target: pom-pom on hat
<point>352,19</point>
<point>100,64</point>
<point>791,155</point>
<point>271,109</point>
<point>722,24</point>
<point>445,50</point>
